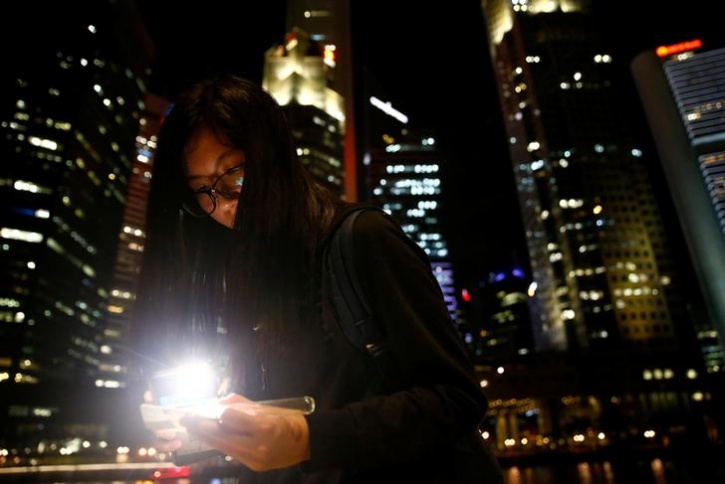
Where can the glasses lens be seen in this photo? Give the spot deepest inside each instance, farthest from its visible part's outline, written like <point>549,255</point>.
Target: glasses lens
<point>230,185</point>
<point>205,201</point>
<point>199,204</point>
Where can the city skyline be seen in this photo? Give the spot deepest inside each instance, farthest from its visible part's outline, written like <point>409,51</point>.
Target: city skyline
<point>483,221</point>
<point>435,65</point>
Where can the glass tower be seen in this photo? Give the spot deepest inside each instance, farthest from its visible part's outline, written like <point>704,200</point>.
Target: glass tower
<point>681,87</point>
<point>131,237</point>
<point>327,23</point>
<point>71,102</point>
<point>599,255</point>
<point>298,73</point>
<point>401,173</point>
<point>605,279</point>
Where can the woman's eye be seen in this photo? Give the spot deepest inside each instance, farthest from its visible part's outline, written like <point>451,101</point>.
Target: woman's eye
<point>229,193</point>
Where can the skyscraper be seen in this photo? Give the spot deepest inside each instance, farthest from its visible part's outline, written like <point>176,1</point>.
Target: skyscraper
<point>405,180</point>
<point>131,236</point>
<point>681,87</point>
<point>298,72</point>
<point>504,323</point>
<point>327,22</point>
<point>606,279</point>
<point>599,255</point>
<point>71,103</point>
<point>401,172</point>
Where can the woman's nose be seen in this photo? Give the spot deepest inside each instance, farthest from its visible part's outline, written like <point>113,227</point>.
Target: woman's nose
<point>228,209</point>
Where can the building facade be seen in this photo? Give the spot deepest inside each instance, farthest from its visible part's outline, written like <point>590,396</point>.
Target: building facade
<point>606,279</point>
<point>131,238</point>
<point>328,23</point>
<point>299,73</point>
<point>681,89</point>
<point>72,100</point>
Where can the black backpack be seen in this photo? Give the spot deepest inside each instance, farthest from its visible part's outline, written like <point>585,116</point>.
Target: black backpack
<point>474,461</point>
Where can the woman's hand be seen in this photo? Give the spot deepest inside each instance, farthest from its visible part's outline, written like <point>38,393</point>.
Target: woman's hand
<point>259,436</point>
<point>166,440</point>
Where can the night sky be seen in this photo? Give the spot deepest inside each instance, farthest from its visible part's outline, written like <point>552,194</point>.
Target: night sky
<point>434,63</point>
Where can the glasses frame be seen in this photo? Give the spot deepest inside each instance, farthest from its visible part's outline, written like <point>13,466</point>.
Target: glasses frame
<point>192,205</point>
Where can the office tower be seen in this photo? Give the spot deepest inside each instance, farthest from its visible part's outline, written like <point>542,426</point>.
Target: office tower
<point>606,278</point>
<point>598,251</point>
<point>298,73</point>
<point>71,101</point>
<point>405,180</point>
<point>131,236</point>
<point>681,87</point>
<point>327,22</point>
<point>504,327</point>
<point>401,173</point>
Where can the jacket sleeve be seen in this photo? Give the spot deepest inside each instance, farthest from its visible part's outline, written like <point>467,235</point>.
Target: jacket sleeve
<point>443,400</point>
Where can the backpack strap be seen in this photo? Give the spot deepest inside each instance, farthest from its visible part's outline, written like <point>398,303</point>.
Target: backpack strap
<point>354,314</point>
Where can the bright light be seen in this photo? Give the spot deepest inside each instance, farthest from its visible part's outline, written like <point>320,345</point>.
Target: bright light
<point>185,384</point>
<point>668,50</point>
<point>23,235</point>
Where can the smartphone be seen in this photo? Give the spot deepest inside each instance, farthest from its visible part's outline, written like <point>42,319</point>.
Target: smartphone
<point>176,392</point>
<point>195,390</point>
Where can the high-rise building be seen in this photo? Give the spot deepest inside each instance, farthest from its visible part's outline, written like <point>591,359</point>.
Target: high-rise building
<point>298,73</point>
<point>405,180</point>
<point>503,328</point>
<point>401,173</point>
<point>327,23</point>
<point>600,255</point>
<point>71,101</point>
<point>132,234</point>
<point>681,87</point>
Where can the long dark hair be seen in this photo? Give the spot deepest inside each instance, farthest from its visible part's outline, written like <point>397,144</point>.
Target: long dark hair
<point>200,279</point>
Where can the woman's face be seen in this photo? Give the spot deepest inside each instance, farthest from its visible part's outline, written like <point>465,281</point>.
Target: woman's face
<point>215,172</point>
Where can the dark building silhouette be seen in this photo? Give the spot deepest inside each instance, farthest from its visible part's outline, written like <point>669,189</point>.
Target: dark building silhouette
<point>606,278</point>
<point>503,322</point>
<point>299,73</point>
<point>71,103</point>
<point>327,23</point>
<point>681,87</point>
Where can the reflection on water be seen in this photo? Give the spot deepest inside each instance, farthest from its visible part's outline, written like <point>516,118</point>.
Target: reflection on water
<point>655,471</point>
<point>685,465</point>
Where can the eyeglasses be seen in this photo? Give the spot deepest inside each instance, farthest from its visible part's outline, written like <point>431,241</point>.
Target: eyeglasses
<point>203,202</point>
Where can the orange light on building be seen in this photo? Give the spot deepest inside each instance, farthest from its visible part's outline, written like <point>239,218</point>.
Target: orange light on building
<point>668,50</point>
<point>329,55</point>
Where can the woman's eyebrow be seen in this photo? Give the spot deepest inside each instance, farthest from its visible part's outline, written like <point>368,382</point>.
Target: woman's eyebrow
<point>219,160</point>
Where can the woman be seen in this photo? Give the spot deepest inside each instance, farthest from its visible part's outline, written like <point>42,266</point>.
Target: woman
<point>232,267</point>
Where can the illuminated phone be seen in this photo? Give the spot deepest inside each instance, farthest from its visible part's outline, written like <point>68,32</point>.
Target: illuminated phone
<point>174,391</point>
<point>194,390</point>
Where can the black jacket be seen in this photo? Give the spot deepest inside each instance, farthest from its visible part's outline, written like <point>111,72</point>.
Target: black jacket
<point>360,432</point>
